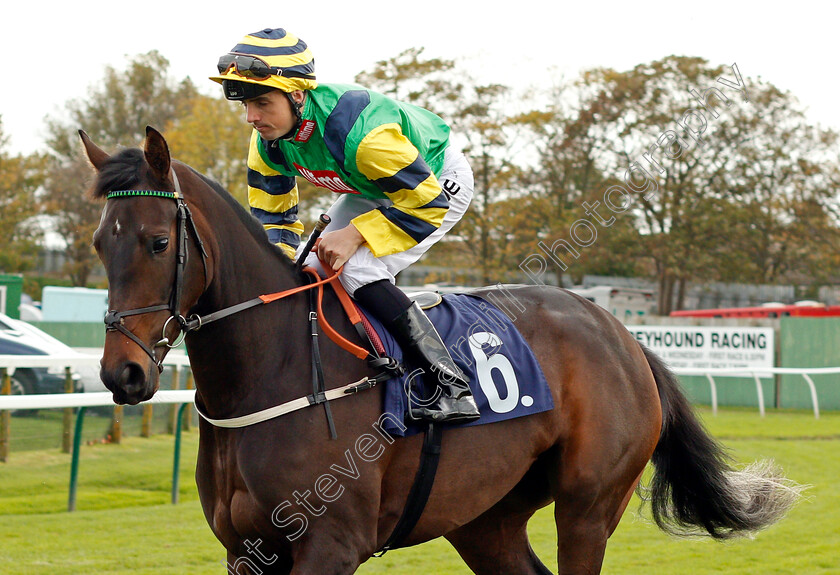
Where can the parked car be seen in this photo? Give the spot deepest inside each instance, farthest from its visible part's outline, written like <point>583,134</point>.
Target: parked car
<point>20,338</point>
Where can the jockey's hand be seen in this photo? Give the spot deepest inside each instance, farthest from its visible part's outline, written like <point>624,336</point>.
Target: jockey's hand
<point>335,248</point>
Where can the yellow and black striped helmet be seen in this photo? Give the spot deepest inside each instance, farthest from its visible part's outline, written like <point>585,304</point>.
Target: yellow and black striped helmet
<point>269,59</point>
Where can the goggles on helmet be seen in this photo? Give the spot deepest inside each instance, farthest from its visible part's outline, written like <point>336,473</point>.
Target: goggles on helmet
<point>252,67</point>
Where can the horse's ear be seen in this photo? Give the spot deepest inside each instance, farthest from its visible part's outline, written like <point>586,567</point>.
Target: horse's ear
<point>95,154</point>
<point>157,153</point>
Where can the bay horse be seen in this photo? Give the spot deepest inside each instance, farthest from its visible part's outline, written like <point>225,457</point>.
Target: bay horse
<point>616,406</point>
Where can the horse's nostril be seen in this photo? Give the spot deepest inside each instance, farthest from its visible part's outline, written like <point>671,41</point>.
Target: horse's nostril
<point>131,378</point>
<point>129,383</point>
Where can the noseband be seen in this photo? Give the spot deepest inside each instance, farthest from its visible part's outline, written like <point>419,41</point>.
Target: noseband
<point>114,320</point>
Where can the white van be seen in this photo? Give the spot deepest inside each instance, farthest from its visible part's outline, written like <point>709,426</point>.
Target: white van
<point>623,303</point>
<point>74,304</point>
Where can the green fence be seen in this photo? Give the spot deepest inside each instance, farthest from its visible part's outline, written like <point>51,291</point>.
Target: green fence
<point>809,342</point>
<point>75,334</point>
<point>735,391</point>
<point>801,342</point>
<point>11,288</point>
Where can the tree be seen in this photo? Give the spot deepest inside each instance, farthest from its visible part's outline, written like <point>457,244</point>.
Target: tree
<point>783,181</point>
<point>710,171</point>
<point>118,109</point>
<point>76,216</point>
<point>425,82</point>
<point>212,137</point>
<point>20,178</point>
<point>565,186</point>
<point>115,113</point>
<point>486,227</point>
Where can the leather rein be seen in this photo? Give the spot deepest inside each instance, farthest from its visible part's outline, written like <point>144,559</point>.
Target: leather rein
<point>114,320</point>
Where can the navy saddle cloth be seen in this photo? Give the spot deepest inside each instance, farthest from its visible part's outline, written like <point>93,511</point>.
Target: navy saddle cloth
<point>505,378</point>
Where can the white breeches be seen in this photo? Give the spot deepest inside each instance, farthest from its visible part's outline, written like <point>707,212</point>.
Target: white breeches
<point>363,267</point>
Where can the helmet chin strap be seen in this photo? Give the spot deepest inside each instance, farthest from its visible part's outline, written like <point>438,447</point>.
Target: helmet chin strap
<point>297,108</point>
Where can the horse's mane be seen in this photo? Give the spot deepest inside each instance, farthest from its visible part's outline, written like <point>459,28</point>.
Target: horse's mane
<point>122,171</point>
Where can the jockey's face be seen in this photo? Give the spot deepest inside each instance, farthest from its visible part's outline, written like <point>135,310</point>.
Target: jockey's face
<point>271,114</point>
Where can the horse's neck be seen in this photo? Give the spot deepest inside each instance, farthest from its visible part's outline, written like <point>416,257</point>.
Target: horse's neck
<point>239,354</point>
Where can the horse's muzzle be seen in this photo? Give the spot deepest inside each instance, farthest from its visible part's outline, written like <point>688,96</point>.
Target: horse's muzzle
<point>129,382</point>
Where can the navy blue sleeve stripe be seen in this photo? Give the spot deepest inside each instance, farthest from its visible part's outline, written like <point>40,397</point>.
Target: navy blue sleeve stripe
<point>288,237</point>
<point>416,228</point>
<point>274,185</point>
<point>341,120</point>
<point>408,178</point>
<point>290,216</point>
<point>439,202</point>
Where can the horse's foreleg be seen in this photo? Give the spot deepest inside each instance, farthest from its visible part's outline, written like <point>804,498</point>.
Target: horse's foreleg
<point>497,543</point>
<point>581,539</point>
<point>250,565</point>
<point>323,554</point>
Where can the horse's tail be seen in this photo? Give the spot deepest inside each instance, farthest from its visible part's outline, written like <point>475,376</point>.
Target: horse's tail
<point>694,488</point>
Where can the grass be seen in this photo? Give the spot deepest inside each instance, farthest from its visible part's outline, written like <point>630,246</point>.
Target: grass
<point>126,525</point>
<point>43,429</point>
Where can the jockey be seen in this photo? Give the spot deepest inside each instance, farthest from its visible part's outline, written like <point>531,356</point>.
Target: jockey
<point>402,187</point>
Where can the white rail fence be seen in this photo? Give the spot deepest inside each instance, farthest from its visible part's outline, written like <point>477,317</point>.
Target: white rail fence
<point>185,397</point>
<point>8,403</point>
<point>99,398</point>
<point>61,400</point>
<point>757,374</point>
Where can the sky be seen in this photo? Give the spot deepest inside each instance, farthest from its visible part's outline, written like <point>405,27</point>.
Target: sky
<point>56,51</point>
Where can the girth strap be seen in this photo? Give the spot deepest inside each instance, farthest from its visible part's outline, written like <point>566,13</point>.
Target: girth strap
<point>418,496</point>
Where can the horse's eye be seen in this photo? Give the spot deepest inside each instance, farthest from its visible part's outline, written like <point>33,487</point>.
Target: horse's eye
<point>159,245</point>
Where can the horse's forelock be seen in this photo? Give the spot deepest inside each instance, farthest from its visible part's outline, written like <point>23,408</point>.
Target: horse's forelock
<point>120,172</point>
<point>124,171</point>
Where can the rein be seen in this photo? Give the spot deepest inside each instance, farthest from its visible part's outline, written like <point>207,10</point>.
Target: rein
<point>114,320</point>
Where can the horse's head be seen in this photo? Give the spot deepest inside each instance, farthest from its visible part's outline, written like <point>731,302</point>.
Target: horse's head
<point>144,237</point>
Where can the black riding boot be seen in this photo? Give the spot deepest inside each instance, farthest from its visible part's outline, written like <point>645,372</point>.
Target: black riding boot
<point>419,338</point>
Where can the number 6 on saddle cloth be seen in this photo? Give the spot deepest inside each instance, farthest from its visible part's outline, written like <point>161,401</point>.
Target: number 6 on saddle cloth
<point>505,378</point>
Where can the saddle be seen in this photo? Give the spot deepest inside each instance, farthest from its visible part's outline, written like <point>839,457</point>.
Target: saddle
<point>505,378</point>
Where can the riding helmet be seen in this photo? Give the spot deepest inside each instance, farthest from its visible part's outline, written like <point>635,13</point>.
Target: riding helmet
<point>266,60</point>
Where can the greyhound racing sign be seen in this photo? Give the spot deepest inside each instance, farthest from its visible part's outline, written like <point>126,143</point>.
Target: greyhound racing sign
<point>703,347</point>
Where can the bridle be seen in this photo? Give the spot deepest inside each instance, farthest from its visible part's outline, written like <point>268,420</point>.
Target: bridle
<point>387,366</point>
<point>114,320</point>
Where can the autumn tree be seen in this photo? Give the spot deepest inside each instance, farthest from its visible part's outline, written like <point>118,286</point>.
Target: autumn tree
<point>115,113</point>
<point>782,184</point>
<point>211,135</point>
<point>491,138</point>
<point>118,108</point>
<point>430,83</point>
<point>709,156</point>
<point>20,179</point>
<point>565,188</point>
<point>75,215</point>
